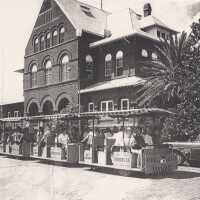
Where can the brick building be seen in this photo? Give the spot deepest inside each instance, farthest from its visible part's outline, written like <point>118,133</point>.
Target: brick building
<point>79,56</point>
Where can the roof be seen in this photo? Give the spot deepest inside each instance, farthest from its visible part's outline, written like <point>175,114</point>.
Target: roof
<point>84,17</point>
<point>130,28</point>
<point>116,83</point>
<point>129,113</point>
<point>151,21</point>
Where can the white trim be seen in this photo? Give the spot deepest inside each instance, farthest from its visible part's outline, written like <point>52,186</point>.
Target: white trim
<point>89,104</point>
<point>16,113</point>
<point>9,115</point>
<point>107,102</point>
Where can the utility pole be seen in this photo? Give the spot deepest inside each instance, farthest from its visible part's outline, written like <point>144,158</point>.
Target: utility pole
<point>101,4</point>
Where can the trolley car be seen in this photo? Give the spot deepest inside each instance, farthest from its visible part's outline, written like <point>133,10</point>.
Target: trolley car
<point>105,153</point>
<point>47,133</point>
<point>11,135</point>
<point>47,146</point>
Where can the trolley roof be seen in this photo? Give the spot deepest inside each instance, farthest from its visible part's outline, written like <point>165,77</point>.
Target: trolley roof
<point>130,113</point>
<point>116,113</point>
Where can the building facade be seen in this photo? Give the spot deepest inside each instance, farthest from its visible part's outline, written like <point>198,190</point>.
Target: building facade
<point>12,110</point>
<point>84,58</point>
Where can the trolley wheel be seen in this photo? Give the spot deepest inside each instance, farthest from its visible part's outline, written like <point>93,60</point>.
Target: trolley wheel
<point>180,157</point>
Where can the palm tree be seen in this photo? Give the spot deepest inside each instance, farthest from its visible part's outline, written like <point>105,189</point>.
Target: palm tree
<point>164,76</point>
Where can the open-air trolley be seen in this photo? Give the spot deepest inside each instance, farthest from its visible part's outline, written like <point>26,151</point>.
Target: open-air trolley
<point>11,139</point>
<point>122,152</point>
<point>113,140</point>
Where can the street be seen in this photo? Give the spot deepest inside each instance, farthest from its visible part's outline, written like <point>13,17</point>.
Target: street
<point>32,180</point>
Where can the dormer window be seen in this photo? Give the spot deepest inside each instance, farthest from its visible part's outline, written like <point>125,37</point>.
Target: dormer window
<point>87,11</point>
<point>55,37</point>
<point>61,34</point>
<point>36,45</point>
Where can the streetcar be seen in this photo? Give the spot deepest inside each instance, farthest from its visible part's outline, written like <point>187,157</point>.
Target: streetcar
<point>107,152</point>
<point>64,138</point>
<point>56,138</point>
<point>11,137</point>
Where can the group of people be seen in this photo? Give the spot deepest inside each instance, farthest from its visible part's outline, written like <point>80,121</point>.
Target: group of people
<point>124,136</point>
<point>44,135</point>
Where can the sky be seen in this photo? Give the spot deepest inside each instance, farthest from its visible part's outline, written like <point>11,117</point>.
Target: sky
<point>17,19</point>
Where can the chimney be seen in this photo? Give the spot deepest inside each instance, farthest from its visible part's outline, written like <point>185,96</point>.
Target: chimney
<point>147,9</point>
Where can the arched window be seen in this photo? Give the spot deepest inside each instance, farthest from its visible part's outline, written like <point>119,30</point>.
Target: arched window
<point>48,72</point>
<point>154,56</point>
<point>36,45</point>
<point>89,67</point>
<point>55,37</point>
<point>119,63</point>
<point>48,40</point>
<point>42,43</point>
<point>108,65</point>
<point>61,34</point>
<point>34,75</point>
<point>65,70</point>
<point>144,53</point>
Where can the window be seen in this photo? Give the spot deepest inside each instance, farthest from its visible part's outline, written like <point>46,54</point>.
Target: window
<point>34,75</point>
<point>158,33</point>
<point>9,114</point>
<point>108,65</point>
<point>48,72</point>
<point>154,56</point>
<point>42,46</point>
<point>61,34</point>
<point>144,53</point>
<point>163,35</point>
<point>36,45</point>
<point>17,114</point>
<point>91,107</point>
<point>65,69</point>
<point>107,106</point>
<point>124,104</point>
<point>48,40</point>
<point>55,37</point>
<point>89,67</point>
<point>119,63</point>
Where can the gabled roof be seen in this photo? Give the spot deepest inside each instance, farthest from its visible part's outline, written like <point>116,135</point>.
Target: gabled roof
<point>84,17</point>
<point>152,21</point>
<point>129,27</point>
<point>116,83</point>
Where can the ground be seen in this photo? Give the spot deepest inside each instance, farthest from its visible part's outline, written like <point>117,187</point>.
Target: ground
<point>32,180</point>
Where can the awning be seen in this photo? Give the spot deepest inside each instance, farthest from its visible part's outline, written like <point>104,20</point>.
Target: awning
<point>116,83</point>
<point>129,113</point>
